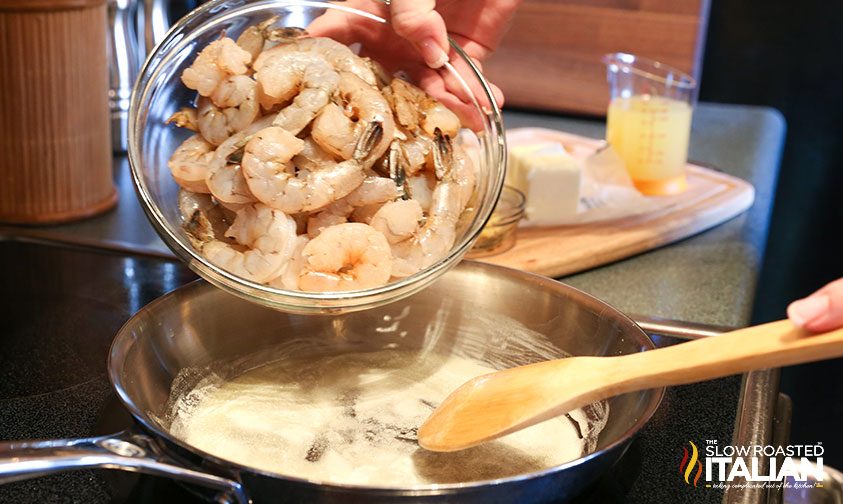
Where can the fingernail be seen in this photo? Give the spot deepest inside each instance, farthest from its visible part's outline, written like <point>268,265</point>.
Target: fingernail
<point>809,309</point>
<point>433,55</point>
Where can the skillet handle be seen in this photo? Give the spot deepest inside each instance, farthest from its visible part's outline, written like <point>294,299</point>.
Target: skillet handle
<point>125,451</point>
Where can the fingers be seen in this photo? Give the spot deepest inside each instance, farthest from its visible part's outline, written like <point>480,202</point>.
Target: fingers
<point>418,22</point>
<point>433,83</point>
<point>821,311</point>
<point>345,27</point>
<point>496,91</point>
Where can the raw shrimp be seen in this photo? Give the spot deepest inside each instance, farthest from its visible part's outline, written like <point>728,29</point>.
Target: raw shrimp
<point>267,169</point>
<point>416,109</point>
<point>267,164</point>
<point>337,130</point>
<point>254,38</point>
<point>382,77</point>
<point>313,157</point>
<point>398,220</point>
<point>464,175</point>
<point>365,213</point>
<point>216,219</point>
<point>334,132</point>
<point>420,188</point>
<point>220,59</point>
<point>372,191</point>
<point>232,107</point>
<point>333,214</point>
<point>229,187</point>
<point>436,237</point>
<point>190,162</point>
<point>415,150</point>
<point>307,77</point>
<point>266,239</point>
<point>437,116</point>
<point>338,55</point>
<point>344,257</point>
<point>231,151</point>
<point>289,279</point>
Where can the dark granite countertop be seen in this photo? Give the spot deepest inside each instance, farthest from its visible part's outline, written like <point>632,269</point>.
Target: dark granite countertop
<point>709,278</point>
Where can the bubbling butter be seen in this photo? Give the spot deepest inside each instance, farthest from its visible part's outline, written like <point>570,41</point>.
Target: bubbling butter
<point>353,419</point>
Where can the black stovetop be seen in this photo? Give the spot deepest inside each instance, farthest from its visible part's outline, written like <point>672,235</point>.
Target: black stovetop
<point>61,308</point>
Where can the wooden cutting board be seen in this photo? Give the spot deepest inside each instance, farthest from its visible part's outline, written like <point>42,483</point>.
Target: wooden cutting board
<point>550,57</point>
<point>712,198</point>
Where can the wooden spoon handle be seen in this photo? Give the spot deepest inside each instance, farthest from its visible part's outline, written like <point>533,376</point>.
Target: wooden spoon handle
<point>759,347</point>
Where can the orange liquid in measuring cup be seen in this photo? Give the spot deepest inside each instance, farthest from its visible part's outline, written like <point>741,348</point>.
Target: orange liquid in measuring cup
<point>650,133</point>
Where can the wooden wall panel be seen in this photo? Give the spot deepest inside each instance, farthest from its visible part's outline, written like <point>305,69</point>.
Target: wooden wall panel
<point>550,58</point>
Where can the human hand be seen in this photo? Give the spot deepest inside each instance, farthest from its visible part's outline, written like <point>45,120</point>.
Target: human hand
<point>821,311</point>
<point>416,40</point>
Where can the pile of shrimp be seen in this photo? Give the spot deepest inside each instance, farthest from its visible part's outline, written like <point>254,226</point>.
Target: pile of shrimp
<point>311,168</point>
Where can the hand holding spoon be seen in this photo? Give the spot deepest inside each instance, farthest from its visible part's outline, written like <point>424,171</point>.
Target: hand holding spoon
<point>496,404</point>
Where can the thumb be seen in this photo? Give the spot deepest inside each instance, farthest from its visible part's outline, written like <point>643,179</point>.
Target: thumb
<point>821,311</point>
<point>419,23</point>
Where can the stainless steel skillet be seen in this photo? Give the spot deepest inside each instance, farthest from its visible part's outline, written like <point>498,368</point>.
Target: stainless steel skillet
<point>493,314</point>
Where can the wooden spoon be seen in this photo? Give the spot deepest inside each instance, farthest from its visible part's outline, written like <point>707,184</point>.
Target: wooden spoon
<point>496,404</point>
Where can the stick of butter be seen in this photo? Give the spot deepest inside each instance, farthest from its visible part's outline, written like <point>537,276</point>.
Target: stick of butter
<point>550,179</point>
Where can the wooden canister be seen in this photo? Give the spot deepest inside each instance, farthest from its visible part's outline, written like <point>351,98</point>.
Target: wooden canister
<point>55,143</point>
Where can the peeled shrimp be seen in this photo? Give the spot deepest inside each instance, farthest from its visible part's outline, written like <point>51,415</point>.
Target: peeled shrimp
<point>464,175</point>
<point>214,221</point>
<point>436,237</point>
<point>266,165</point>
<point>372,191</point>
<point>335,213</point>
<point>345,257</point>
<point>365,213</point>
<point>307,77</point>
<point>313,157</point>
<point>420,188</point>
<point>398,220</point>
<point>254,38</point>
<point>416,109</point>
<point>231,151</point>
<point>289,279</point>
<point>229,187</point>
<point>219,60</point>
<point>267,239</point>
<point>337,130</point>
<point>190,162</point>
<point>437,116</point>
<point>232,107</point>
<point>338,55</point>
<point>415,150</point>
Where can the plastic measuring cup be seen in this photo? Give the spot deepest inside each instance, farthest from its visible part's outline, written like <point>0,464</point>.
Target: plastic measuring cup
<point>649,121</point>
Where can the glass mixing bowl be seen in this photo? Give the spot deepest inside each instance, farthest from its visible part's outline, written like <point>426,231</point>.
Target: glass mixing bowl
<point>159,93</point>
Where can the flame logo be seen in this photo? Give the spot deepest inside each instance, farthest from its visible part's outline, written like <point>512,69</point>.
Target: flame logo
<point>686,467</point>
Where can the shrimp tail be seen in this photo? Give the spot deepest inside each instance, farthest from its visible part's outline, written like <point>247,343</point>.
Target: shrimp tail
<point>396,168</point>
<point>199,229</point>
<point>285,34</point>
<point>371,137</point>
<point>443,155</point>
<point>185,118</point>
